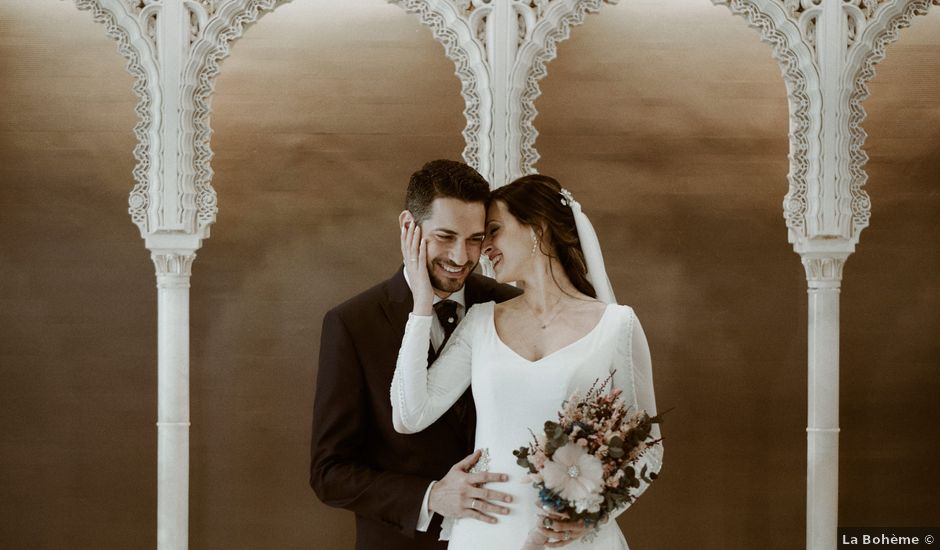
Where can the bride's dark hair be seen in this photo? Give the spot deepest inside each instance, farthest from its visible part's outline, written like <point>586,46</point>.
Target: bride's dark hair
<point>536,201</point>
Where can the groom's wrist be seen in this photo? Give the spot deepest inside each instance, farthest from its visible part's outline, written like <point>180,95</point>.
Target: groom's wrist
<point>425,513</point>
<point>427,498</point>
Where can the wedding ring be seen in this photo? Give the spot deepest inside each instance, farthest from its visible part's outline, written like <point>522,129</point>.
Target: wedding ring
<point>547,523</point>
<point>413,260</point>
<point>473,504</point>
<point>567,535</point>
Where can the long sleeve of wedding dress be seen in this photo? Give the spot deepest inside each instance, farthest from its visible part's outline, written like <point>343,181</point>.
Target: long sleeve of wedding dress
<point>634,373</point>
<point>421,395</point>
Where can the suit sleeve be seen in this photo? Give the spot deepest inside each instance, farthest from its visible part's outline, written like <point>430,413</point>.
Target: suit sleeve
<point>339,473</point>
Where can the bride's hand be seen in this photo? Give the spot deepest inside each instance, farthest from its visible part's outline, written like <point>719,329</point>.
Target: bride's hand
<point>415,252</point>
<point>553,530</point>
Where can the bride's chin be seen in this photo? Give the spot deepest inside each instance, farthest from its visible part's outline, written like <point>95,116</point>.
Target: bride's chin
<point>499,274</point>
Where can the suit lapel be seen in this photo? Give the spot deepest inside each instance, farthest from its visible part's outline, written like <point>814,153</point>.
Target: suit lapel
<point>399,303</point>
<point>472,291</point>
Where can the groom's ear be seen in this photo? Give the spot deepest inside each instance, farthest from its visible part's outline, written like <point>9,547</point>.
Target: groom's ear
<point>405,219</point>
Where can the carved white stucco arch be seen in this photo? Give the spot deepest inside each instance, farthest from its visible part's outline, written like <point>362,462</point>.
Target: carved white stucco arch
<point>214,26</point>
<point>136,50</point>
<point>827,50</point>
<point>460,25</point>
<point>788,26</point>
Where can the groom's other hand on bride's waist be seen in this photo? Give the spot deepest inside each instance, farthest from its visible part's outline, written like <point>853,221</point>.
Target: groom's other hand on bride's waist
<point>460,494</point>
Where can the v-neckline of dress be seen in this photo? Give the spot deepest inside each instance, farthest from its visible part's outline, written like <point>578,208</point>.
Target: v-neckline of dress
<point>587,335</point>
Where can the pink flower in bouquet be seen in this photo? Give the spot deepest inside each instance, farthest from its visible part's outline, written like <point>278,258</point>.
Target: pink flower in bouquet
<point>573,473</point>
<point>538,459</point>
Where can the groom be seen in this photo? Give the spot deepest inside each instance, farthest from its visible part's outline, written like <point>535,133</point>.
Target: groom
<point>399,486</point>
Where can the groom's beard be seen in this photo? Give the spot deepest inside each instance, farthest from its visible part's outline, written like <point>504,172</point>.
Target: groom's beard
<point>449,284</point>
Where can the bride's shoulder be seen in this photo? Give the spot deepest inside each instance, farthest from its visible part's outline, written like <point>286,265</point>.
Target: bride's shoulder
<point>623,308</point>
<point>483,310</point>
<point>624,312</point>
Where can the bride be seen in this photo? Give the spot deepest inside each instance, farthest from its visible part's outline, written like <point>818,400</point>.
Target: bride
<point>524,357</point>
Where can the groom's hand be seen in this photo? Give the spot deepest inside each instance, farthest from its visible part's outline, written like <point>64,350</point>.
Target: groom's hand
<point>460,495</point>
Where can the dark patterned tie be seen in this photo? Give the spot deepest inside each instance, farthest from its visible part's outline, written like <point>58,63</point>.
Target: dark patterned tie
<point>446,311</point>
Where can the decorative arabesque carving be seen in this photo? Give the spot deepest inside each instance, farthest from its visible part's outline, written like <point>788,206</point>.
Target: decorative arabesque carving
<point>869,25</point>
<point>795,77</point>
<point>532,15</point>
<point>208,51</point>
<point>231,23</point>
<point>135,6</point>
<point>139,199</point>
<point>468,61</point>
<point>199,13</point>
<point>136,37</point>
<point>795,8</point>
<point>861,203</point>
<point>857,12</point>
<point>475,12</point>
<point>540,26</point>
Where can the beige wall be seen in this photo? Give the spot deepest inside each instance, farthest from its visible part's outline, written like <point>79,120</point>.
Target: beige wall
<point>677,151</point>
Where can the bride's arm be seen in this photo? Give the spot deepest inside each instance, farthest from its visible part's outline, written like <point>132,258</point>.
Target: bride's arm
<point>421,395</point>
<point>634,375</point>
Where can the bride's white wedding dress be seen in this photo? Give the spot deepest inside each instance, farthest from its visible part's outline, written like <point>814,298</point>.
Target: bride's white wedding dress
<point>513,396</point>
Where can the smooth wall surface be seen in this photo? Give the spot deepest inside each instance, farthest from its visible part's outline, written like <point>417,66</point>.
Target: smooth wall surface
<point>671,132</point>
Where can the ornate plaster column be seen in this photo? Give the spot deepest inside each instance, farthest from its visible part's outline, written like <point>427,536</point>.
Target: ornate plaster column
<point>827,50</point>
<point>172,204</point>
<point>174,268</point>
<point>824,277</point>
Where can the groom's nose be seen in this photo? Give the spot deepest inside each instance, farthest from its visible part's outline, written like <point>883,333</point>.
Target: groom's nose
<point>458,252</point>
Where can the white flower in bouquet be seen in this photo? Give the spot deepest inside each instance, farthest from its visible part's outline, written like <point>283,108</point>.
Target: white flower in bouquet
<point>591,504</point>
<point>573,474</point>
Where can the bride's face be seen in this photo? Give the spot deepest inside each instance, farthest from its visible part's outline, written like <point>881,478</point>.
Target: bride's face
<point>508,243</point>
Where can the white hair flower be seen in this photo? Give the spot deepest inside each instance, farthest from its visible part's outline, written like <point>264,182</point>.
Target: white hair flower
<point>573,474</point>
<point>566,197</point>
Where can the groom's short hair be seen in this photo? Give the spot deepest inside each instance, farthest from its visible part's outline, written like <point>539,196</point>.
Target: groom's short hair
<point>443,179</point>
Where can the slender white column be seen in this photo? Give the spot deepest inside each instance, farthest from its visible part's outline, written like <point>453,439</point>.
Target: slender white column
<point>173,273</point>
<point>824,276</point>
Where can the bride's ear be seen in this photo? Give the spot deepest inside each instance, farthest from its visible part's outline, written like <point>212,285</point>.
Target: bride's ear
<point>543,233</point>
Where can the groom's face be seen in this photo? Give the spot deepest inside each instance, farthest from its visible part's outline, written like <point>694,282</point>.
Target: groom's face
<point>454,230</point>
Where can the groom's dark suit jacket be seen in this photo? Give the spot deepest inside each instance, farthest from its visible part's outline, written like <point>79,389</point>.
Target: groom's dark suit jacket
<point>358,461</point>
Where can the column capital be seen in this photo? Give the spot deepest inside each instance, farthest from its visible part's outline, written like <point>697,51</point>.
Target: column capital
<point>824,270</point>
<point>174,267</point>
<point>173,263</point>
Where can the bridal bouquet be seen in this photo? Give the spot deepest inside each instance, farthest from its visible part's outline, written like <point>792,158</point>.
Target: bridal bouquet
<point>583,464</point>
